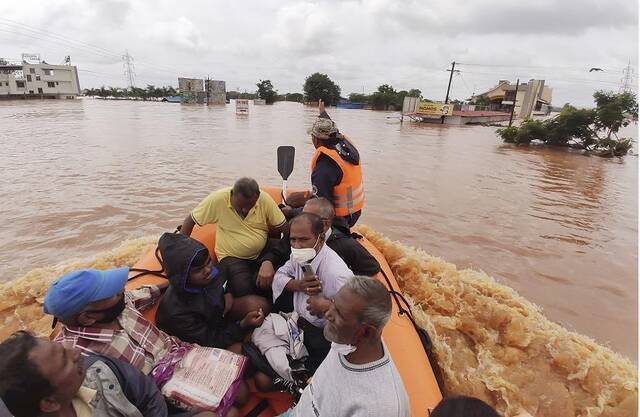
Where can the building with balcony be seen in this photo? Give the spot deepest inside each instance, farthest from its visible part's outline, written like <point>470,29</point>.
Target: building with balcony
<point>532,98</point>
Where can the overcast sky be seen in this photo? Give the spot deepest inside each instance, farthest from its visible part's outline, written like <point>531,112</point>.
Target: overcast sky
<point>359,44</point>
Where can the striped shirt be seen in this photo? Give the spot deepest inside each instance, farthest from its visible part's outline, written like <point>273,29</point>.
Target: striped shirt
<point>138,342</point>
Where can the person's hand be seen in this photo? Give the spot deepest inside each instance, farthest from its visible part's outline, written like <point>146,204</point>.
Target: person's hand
<point>318,305</point>
<point>265,275</point>
<point>310,285</point>
<point>287,211</point>
<point>252,320</point>
<point>228,303</point>
<point>320,106</point>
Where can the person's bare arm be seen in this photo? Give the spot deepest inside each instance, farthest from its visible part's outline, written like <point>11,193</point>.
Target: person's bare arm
<point>187,225</point>
<point>298,198</point>
<point>282,228</point>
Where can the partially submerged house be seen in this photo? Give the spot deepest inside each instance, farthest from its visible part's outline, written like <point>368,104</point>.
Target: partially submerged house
<point>532,98</point>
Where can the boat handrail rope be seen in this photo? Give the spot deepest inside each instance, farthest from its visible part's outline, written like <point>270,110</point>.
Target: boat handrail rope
<point>157,272</point>
<point>422,333</point>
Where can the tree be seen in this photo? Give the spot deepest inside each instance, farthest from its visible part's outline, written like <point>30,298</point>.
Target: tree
<point>359,98</point>
<point>613,111</point>
<point>481,101</point>
<point>385,98</point>
<point>297,97</point>
<point>320,87</point>
<point>266,91</point>
<point>589,129</point>
<point>414,92</point>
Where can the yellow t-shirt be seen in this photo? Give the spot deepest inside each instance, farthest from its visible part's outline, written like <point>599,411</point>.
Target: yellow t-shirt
<point>235,236</point>
<point>82,402</point>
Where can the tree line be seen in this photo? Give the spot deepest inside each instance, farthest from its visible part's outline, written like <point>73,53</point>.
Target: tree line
<point>134,92</point>
<point>316,87</point>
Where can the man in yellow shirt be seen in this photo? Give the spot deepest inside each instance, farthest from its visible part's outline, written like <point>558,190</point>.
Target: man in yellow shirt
<point>244,217</point>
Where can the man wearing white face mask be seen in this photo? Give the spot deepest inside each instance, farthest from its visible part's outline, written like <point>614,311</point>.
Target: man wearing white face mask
<point>358,378</point>
<point>314,273</point>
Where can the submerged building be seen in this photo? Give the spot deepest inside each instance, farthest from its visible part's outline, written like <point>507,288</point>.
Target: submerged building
<point>531,98</point>
<point>191,90</point>
<point>216,91</point>
<point>196,90</point>
<point>38,80</point>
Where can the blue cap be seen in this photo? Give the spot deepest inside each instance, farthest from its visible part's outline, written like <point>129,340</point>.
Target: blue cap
<point>71,293</point>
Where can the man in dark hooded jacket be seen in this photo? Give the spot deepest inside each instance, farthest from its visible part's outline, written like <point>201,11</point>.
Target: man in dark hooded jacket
<point>194,307</point>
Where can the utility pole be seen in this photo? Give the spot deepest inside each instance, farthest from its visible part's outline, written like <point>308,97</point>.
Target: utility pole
<point>206,87</point>
<point>129,69</point>
<point>513,108</point>
<point>446,99</point>
<point>627,79</point>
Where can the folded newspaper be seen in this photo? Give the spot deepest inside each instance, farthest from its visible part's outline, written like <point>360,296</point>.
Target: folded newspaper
<point>205,379</point>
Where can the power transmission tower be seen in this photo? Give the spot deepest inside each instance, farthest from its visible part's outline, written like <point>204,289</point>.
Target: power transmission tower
<point>129,69</point>
<point>627,79</point>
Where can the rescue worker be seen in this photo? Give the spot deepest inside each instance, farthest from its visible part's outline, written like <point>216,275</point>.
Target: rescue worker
<point>336,172</point>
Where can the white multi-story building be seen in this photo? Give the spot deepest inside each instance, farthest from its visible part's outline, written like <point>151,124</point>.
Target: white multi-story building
<point>39,80</point>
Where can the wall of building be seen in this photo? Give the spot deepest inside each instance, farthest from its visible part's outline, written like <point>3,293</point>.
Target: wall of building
<point>41,80</point>
<point>216,91</point>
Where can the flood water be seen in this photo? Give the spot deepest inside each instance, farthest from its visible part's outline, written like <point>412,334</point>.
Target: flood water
<point>81,176</point>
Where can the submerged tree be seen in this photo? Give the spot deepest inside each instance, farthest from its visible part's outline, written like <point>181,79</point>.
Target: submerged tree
<point>589,129</point>
<point>320,87</point>
<point>266,91</point>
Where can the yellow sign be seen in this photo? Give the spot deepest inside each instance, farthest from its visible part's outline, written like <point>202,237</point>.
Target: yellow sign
<point>434,109</point>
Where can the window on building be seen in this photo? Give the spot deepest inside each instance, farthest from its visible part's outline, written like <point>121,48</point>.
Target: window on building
<point>29,77</point>
<point>32,70</point>
<point>39,90</point>
<point>48,71</point>
<point>30,91</point>
<point>37,78</point>
<point>20,84</point>
<point>57,83</point>
<point>51,84</point>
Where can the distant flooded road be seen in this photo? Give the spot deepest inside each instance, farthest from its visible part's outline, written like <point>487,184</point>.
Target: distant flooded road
<point>81,176</point>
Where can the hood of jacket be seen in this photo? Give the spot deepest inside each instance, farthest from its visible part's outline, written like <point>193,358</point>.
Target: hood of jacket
<point>178,252</point>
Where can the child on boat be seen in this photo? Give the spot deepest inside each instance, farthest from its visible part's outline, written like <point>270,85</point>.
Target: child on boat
<point>195,307</point>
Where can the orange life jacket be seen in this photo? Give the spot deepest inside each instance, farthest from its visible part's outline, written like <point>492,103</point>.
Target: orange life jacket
<point>348,194</point>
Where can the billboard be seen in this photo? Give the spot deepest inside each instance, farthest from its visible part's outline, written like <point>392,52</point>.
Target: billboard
<point>434,109</point>
<point>242,106</point>
<point>409,104</point>
<point>31,58</point>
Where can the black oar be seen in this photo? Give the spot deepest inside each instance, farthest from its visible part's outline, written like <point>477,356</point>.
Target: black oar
<point>286,155</point>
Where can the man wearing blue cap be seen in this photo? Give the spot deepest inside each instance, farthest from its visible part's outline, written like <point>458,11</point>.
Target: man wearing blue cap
<point>99,317</point>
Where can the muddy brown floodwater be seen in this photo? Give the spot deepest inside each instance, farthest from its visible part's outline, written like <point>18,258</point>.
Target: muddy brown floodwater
<point>79,177</point>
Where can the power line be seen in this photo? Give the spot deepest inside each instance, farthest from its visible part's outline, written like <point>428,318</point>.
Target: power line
<point>48,36</point>
<point>553,67</point>
<point>554,77</point>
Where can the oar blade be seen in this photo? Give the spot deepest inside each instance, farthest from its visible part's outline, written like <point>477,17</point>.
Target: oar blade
<point>286,156</point>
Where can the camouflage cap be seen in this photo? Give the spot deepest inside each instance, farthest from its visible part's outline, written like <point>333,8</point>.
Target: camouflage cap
<point>322,128</point>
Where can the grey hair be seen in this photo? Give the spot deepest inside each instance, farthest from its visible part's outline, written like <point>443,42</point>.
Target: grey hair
<point>325,207</point>
<point>377,310</point>
<point>247,188</point>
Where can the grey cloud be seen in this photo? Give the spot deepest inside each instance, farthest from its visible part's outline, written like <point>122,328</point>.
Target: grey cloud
<point>504,17</point>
